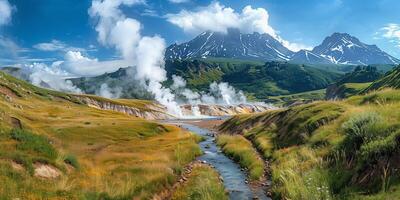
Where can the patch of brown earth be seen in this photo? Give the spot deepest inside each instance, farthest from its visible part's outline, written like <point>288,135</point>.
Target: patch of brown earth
<point>46,171</point>
<point>17,166</point>
<point>16,123</point>
<point>7,92</point>
<point>70,168</point>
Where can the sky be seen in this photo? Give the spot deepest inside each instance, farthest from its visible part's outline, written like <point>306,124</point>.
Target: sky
<point>67,33</point>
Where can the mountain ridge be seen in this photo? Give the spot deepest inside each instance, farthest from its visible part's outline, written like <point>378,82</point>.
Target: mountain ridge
<point>338,48</point>
<point>231,45</point>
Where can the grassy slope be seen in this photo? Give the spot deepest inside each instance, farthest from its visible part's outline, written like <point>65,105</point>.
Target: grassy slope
<point>283,100</point>
<point>350,89</point>
<point>354,82</point>
<point>391,79</point>
<point>118,156</point>
<point>203,184</point>
<point>330,150</point>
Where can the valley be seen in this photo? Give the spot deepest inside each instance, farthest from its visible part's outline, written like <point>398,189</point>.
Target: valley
<point>199,100</point>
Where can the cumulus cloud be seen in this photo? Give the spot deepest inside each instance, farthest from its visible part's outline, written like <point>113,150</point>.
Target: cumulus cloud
<point>79,65</point>
<point>108,13</point>
<point>5,12</point>
<point>392,32</point>
<point>218,18</point>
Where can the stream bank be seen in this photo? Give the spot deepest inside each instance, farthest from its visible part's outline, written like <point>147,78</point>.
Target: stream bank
<point>234,178</point>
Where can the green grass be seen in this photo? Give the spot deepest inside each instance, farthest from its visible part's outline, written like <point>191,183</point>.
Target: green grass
<point>202,184</point>
<point>72,160</point>
<point>242,152</point>
<point>35,144</point>
<point>262,140</point>
<point>330,149</point>
<point>346,90</point>
<point>390,80</point>
<point>282,100</point>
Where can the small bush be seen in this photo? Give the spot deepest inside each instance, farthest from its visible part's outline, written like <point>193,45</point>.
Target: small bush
<point>362,128</point>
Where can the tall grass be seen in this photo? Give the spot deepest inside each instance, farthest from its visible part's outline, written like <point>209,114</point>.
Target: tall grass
<point>297,173</point>
<point>242,151</point>
<point>203,184</point>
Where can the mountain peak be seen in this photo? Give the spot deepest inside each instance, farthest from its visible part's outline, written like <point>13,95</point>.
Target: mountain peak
<point>343,48</point>
<point>232,44</point>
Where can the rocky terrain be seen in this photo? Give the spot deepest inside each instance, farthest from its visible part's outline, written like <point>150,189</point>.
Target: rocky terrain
<point>153,111</point>
<point>223,110</point>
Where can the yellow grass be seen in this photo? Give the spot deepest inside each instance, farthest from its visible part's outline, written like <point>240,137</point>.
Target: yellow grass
<point>119,156</point>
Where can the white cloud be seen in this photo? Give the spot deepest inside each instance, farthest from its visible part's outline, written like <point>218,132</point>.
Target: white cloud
<point>79,65</point>
<point>56,45</point>
<point>150,13</point>
<point>178,1</point>
<point>5,12</point>
<point>392,32</point>
<point>218,18</point>
<point>108,13</point>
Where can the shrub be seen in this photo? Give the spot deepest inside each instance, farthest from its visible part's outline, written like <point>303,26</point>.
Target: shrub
<point>362,128</point>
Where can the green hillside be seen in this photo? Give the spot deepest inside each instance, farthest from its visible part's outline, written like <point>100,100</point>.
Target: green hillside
<point>329,150</point>
<point>353,82</point>
<point>390,80</point>
<point>257,80</point>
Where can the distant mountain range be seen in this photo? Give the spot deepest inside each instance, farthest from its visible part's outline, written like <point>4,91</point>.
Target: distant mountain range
<point>339,48</point>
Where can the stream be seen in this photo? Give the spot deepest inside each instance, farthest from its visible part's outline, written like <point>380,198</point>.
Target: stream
<point>234,178</point>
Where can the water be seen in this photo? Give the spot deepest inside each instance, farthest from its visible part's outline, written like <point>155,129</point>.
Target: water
<point>234,178</point>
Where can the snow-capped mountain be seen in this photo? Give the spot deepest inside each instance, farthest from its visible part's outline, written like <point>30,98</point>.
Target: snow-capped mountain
<point>342,48</point>
<point>231,45</point>
<point>339,48</point>
<point>308,57</point>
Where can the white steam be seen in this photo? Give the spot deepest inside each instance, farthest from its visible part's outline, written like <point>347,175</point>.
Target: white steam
<point>106,91</point>
<point>50,77</point>
<point>146,54</point>
<point>219,93</point>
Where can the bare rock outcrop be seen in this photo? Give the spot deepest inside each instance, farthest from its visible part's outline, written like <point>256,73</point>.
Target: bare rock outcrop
<point>223,110</point>
<point>152,112</point>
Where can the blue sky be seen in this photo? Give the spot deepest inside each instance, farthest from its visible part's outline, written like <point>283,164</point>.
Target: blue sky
<point>67,25</point>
